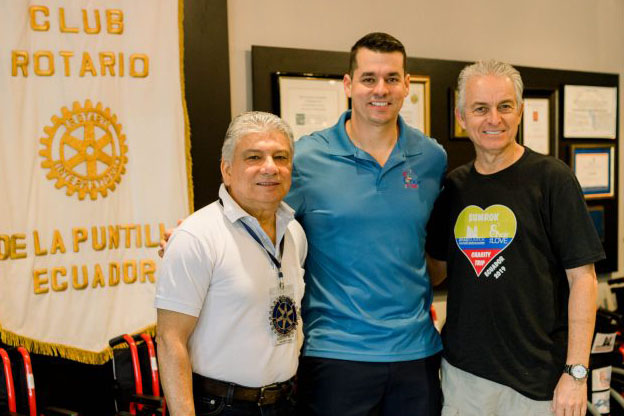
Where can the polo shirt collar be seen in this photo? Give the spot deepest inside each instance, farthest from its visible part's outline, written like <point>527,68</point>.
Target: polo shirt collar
<point>341,145</point>
<point>233,212</point>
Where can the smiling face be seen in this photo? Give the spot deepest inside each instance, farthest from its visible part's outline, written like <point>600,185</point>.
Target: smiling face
<point>491,114</point>
<point>377,87</point>
<point>259,175</point>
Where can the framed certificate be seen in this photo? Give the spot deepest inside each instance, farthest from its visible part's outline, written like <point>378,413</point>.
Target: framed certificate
<point>535,121</point>
<point>416,110</point>
<point>594,167</point>
<point>538,130</point>
<point>589,112</point>
<point>309,102</point>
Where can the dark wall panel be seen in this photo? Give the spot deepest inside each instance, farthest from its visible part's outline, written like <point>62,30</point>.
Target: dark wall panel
<point>207,73</point>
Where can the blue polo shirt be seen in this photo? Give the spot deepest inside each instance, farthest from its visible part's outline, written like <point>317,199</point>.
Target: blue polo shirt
<point>368,294</point>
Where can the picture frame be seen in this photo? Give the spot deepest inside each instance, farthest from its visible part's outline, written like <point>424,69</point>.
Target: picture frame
<point>416,110</point>
<point>589,112</point>
<point>594,167</point>
<point>309,102</point>
<point>539,127</point>
<point>457,131</point>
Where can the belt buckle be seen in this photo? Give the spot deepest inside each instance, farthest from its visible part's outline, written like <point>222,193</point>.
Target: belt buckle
<point>262,389</point>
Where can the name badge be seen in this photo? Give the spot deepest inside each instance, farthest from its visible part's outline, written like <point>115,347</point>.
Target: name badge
<point>283,316</point>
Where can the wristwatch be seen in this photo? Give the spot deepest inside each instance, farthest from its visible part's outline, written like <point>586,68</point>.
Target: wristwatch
<point>578,371</point>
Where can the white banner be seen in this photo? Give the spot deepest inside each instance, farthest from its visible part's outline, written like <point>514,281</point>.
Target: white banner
<point>93,167</point>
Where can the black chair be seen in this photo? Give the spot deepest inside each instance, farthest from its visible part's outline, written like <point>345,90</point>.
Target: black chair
<point>21,398</point>
<point>132,364</point>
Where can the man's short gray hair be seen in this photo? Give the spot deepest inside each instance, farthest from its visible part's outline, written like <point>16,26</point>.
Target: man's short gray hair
<point>253,122</point>
<point>484,68</point>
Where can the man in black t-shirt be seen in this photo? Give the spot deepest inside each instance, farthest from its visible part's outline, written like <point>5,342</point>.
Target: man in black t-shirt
<point>512,231</point>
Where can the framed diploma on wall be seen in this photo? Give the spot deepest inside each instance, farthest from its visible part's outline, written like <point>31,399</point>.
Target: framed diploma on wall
<point>538,129</point>
<point>594,167</point>
<point>416,110</point>
<point>535,123</point>
<point>589,112</point>
<point>310,102</point>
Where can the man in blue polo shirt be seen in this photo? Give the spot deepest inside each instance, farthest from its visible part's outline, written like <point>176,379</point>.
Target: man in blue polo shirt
<point>363,191</point>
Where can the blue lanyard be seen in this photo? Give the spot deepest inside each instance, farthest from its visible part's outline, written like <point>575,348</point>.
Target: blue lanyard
<point>276,262</point>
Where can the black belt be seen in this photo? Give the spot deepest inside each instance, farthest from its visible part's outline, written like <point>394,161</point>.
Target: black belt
<point>265,395</point>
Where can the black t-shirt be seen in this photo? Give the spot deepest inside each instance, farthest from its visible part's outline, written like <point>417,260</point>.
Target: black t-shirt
<point>508,238</point>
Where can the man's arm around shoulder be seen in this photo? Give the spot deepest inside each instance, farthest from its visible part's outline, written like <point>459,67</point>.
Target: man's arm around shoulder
<point>173,332</point>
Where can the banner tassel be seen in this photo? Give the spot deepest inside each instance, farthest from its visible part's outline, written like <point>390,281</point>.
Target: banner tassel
<point>64,351</point>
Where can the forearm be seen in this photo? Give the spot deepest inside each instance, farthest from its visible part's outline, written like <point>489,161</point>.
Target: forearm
<point>176,378</point>
<point>581,319</point>
<point>570,395</point>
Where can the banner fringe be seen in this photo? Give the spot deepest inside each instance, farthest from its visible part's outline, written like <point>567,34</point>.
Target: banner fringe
<point>64,351</point>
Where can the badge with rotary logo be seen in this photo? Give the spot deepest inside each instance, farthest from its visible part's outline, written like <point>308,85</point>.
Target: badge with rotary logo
<point>283,314</point>
<point>85,150</point>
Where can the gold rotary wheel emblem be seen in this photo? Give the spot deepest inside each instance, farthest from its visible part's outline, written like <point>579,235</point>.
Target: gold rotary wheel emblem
<point>84,150</point>
<point>283,315</point>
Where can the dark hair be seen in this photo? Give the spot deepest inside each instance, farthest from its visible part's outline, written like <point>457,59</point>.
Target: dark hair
<point>377,42</point>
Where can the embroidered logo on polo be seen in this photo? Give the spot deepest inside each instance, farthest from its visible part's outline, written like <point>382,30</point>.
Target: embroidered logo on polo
<point>409,180</point>
<point>483,234</point>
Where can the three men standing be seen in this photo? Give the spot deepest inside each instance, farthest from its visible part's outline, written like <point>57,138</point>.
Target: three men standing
<point>512,227</point>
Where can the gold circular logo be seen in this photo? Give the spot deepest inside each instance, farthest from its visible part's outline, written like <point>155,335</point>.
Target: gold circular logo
<point>84,150</point>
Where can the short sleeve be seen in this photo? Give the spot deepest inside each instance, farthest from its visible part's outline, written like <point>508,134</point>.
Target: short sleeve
<point>301,242</point>
<point>184,275</point>
<point>295,198</point>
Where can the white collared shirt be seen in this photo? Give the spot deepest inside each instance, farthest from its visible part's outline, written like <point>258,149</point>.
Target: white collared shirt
<point>234,213</point>
<point>214,270</point>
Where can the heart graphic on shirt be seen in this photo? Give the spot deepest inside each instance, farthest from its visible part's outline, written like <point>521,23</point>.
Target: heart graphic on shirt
<point>482,234</point>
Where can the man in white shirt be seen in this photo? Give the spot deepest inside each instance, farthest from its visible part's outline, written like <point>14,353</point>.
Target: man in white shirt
<point>230,285</point>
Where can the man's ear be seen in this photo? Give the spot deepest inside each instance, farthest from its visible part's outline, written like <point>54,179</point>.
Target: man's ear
<point>407,84</point>
<point>226,172</point>
<point>346,83</point>
<point>460,118</point>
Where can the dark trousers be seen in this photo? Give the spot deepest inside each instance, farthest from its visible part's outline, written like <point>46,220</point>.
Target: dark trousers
<point>211,405</point>
<point>328,387</point>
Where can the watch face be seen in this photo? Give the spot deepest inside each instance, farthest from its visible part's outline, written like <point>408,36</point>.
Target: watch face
<point>578,371</point>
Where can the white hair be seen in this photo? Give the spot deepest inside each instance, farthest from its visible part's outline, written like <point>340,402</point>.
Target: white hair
<point>484,68</point>
<point>252,122</point>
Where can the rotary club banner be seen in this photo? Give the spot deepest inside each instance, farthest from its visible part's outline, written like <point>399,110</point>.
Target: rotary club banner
<point>94,166</point>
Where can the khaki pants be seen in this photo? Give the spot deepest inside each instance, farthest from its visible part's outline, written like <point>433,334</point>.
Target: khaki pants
<point>466,395</point>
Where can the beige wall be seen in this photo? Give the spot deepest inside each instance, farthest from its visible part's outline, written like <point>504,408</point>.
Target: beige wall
<point>585,35</point>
